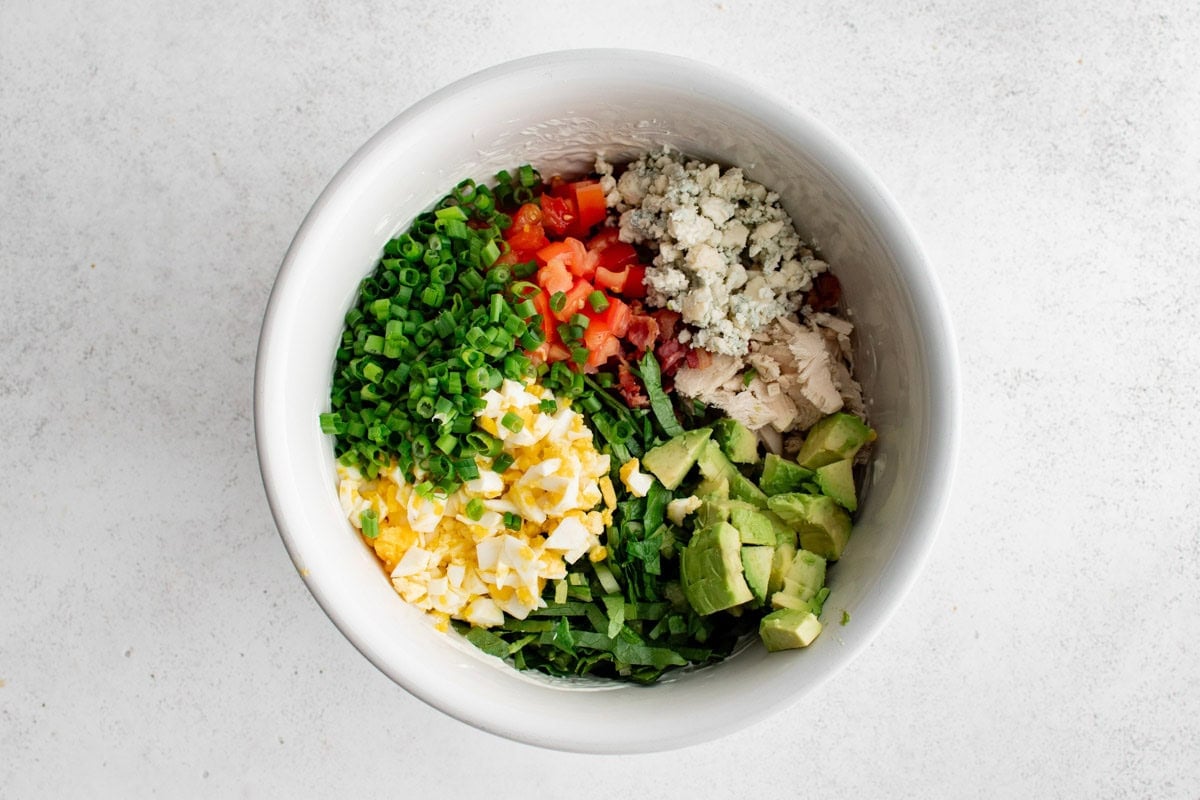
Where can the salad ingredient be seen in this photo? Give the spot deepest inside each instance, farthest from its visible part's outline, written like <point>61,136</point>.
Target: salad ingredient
<point>836,481</point>
<point>823,526</point>
<point>794,374</point>
<point>728,257</point>
<point>430,333</point>
<point>737,442</point>
<point>756,566</point>
<point>456,554</point>
<point>780,476</point>
<point>671,460</point>
<point>711,570</point>
<point>788,628</point>
<point>836,437</point>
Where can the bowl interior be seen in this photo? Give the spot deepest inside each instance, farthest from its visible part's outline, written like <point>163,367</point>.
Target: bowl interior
<point>559,112</point>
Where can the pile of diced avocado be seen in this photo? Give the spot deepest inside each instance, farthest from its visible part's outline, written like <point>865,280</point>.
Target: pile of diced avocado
<point>765,527</point>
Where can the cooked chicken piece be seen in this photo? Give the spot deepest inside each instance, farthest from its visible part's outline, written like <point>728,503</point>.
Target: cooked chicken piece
<point>699,383</point>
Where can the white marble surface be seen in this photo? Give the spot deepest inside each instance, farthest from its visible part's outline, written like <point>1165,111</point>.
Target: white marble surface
<point>155,159</point>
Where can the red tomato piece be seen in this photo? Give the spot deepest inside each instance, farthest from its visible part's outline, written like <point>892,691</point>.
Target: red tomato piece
<point>635,281</point>
<point>559,214</point>
<point>589,202</point>
<point>616,317</point>
<point>552,251</point>
<point>526,232</point>
<point>576,299</point>
<point>541,301</point>
<point>554,277</point>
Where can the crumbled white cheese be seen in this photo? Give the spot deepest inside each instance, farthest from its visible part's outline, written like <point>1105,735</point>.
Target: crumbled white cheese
<point>729,258</point>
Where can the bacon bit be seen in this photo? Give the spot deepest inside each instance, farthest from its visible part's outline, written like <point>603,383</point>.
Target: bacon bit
<point>668,320</point>
<point>629,387</point>
<point>643,332</point>
<point>825,294</point>
<point>670,354</point>
<point>699,359</point>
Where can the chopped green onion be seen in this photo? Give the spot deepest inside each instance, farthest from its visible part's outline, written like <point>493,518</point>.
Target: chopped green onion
<point>502,462</point>
<point>511,421</point>
<point>598,301</point>
<point>475,508</point>
<point>369,520</point>
<point>558,301</point>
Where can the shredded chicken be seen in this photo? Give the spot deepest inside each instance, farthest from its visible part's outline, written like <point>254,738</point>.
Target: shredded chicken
<point>801,372</point>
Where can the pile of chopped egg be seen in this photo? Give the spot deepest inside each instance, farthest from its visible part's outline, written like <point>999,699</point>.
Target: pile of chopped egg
<point>442,560</point>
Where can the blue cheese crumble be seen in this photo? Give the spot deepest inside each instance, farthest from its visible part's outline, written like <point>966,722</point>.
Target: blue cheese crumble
<point>728,257</point>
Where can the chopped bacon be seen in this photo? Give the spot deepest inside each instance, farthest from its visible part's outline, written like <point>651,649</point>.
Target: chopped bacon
<point>643,332</point>
<point>629,387</point>
<point>698,359</point>
<point>668,321</point>
<point>825,294</point>
<point>671,352</point>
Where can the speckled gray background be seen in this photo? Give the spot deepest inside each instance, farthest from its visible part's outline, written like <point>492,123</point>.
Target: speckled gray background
<point>155,159</point>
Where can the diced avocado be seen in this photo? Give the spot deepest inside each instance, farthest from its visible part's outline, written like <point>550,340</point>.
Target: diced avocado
<point>713,489</point>
<point>714,465</point>
<point>742,488</point>
<point>787,629</point>
<point>753,527</point>
<point>780,476</point>
<point>671,460</point>
<point>837,481</point>
<point>824,527</point>
<point>738,443</point>
<point>806,576</point>
<point>710,569</point>
<point>833,438</point>
<point>756,565</point>
<point>713,509</point>
<point>781,562</point>
<point>802,584</point>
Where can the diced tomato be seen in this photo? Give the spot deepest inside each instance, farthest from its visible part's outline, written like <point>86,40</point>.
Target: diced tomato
<point>577,298</point>
<point>611,252</point>
<point>589,203</point>
<point>509,258</point>
<point>572,254</point>
<point>554,277</point>
<point>635,281</point>
<point>605,347</point>
<point>629,281</point>
<point>552,251</point>
<point>526,232</point>
<point>559,214</point>
<point>616,316</point>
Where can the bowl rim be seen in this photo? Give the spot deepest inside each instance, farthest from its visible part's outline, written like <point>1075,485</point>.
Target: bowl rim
<point>879,206</point>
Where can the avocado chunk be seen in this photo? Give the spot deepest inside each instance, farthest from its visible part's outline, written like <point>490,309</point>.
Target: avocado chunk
<point>781,562</point>
<point>671,460</point>
<point>803,584</point>
<point>780,476</point>
<point>710,569</point>
<point>837,482</point>
<point>756,565</point>
<point>753,526</point>
<point>738,443</point>
<point>714,465</point>
<point>833,438</point>
<point>788,629</point>
<point>824,527</point>
<point>713,509</point>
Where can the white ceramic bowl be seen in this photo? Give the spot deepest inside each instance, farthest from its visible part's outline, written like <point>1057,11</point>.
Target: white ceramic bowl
<point>558,111</point>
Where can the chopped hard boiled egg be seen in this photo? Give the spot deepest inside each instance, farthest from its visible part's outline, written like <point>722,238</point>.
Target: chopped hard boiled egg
<point>637,482</point>
<point>453,565</point>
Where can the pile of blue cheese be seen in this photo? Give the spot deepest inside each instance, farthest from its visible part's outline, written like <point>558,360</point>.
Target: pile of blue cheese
<point>729,260</point>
